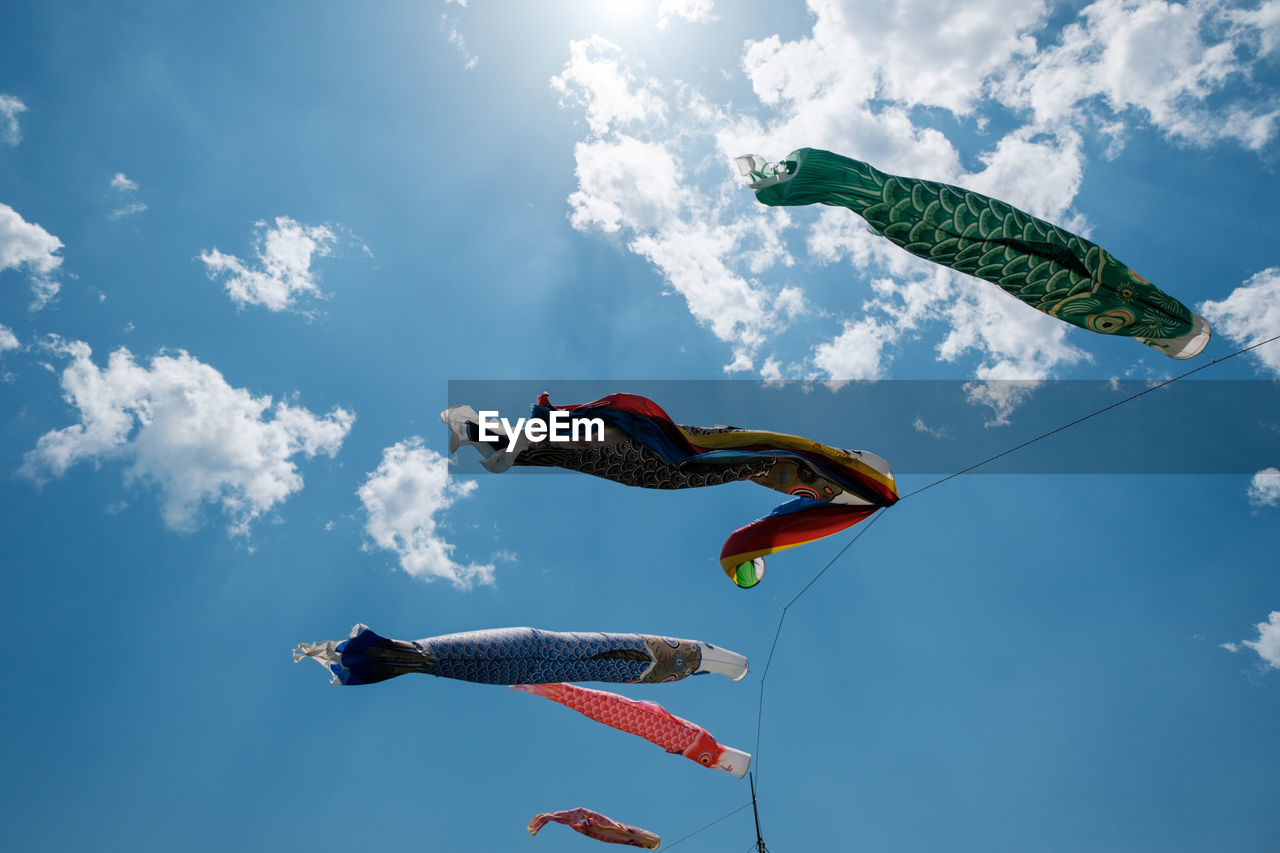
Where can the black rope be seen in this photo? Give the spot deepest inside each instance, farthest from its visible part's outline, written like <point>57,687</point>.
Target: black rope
<point>1087,417</point>
<point>759,845</point>
<point>876,517</point>
<point>708,826</point>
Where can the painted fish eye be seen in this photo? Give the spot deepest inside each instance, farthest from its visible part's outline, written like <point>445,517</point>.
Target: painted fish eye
<point>704,758</point>
<point>1109,322</point>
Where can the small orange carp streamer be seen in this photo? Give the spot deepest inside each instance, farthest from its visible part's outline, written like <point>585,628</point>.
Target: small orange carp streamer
<point>648,720</point>
<point>597,826</point>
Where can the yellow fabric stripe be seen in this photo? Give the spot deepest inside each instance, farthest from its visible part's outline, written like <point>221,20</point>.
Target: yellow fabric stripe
<point>743,438</point>
<point>730,564</point>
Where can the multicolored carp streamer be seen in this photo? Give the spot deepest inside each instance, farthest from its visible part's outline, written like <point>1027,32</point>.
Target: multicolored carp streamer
<point>597,826</point>
<point>1047,267</point>
<point>648,720</point>
<point>522,656</point>
<point>642,446</point>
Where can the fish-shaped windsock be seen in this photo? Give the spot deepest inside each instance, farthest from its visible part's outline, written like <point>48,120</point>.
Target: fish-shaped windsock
<point>648,720</point>
<point>1047,267</point>
<point>597,826</point>
<point>522,656</point>
<point>641,445</point>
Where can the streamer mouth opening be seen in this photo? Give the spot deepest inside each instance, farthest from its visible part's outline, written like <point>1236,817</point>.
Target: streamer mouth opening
<point>734,761</point>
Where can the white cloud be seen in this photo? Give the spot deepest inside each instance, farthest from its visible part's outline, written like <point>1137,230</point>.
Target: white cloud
<point>120,183</point>
<point>10,130</point>
<point>1268,643</point>
<point>920,426</point>
<point>181,427</point>
<point>1002,397</point>
<point>937,53</point>
<point>1264,488</point>
<point>1038,173</point>
<point>598,78</point>
<point>284,272</point>
<point>693,11</point>
<point>1016,341</point>
<point>625,183</point>
<point>403,497</point>
<point>27,246</point>
<point>1263,23</point>
<point>1250,314</point>
<point>1162,60</point>
<point>8,340</point>
<point>857,352</point>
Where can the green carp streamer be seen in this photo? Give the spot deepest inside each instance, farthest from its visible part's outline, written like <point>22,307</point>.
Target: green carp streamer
<point>1047,267</point>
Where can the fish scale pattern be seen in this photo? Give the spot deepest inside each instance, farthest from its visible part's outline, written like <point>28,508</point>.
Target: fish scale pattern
<point>531,655</point>
<point>644,719</point>
<point>1045,266</point>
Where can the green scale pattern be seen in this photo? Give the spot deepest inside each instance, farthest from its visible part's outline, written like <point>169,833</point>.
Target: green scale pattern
<point>1049,268</point>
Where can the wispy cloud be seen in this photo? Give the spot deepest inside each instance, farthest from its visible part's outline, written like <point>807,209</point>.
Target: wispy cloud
<point>125,187</point>
<point>403,497</point>
<point>449,26</point>
<point>10,130</point>
<point>28,247</point>
<point>920,426</point>
<point>283,272</point>
<point>127,210</point>
<point>182,428</point>
<point>8,340</point>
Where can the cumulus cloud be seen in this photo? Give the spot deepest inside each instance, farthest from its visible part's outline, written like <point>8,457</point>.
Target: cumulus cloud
<point>283,273</point>
<point>403,497</point>
<point>8,340</point>
<point>180,427</point>
<point>26,246</point>
<point>857,352</point>
<point>935,53</point>
<point>599,78</point>
<point>121,183</point>
<point>1264,488</point>
<point>693,11</point>
<point>1164,61</point>
<point>1251,314</point>
<point>10,130</point>
<point>639,190</point>
<point>1268,643</point>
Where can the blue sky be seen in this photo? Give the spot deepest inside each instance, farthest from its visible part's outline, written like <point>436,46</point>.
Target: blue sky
<point>244,254</point>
